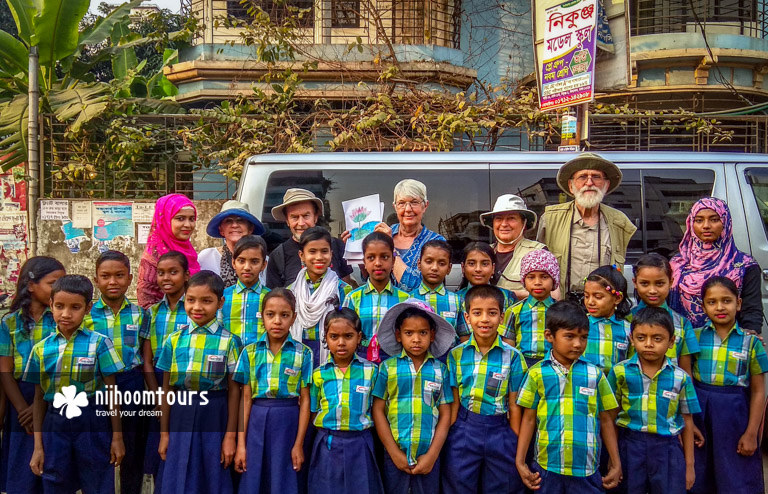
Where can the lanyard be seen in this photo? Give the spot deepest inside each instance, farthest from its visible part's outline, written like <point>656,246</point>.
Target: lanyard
<point>570,246</point>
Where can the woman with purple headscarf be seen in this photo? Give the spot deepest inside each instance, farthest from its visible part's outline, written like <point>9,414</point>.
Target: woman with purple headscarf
<point>708,250</point>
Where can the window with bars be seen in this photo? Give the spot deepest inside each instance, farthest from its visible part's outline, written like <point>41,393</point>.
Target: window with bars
<point>345,13</point>
<point>279,11</point>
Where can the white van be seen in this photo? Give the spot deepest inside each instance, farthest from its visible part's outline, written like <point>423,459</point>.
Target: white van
<point>460,186</point>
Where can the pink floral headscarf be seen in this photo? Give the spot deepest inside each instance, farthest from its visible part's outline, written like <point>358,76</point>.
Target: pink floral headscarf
<point>161,238</point>
<point>698,261</point>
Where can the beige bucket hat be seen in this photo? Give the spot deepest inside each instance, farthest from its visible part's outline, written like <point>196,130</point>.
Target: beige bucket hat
<point>589,161</point>
<point>293,196</point>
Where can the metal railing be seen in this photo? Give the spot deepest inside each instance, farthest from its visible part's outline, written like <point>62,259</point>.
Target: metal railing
<point>418,22</point>
<point>744,17</point>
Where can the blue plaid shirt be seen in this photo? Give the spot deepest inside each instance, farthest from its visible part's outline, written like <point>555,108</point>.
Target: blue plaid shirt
<point>17,337</point>
<point>525,322</point>
<point>241,313</point>
<point>343,401</point>
<point>653,404</point>
<point>164,320</point>
<point>81,361</point>
<point>728,362</point>
<point>280,375</point>
<point>371,306</point>
<point>567,414</point>
<point>485,381</point>
<point>462,327</point>
<point>123,328</point>
<point>445,303</point>
<point>413,398</point>
<point>608,341</point>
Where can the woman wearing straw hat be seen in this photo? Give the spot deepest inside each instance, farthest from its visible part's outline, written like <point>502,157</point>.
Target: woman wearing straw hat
<point>233,222</point>
<point>509,220</point>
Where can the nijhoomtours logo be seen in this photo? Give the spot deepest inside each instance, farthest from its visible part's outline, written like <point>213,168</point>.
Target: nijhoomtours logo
<point>143,403</point>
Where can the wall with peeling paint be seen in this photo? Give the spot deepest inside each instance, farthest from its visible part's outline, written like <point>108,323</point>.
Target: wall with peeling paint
<point>51,242</point>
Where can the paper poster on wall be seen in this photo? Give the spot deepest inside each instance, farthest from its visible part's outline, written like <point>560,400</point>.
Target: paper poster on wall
<point>54,209</point>
<point>73,236</point>
<point>13,248</point>
<point>81,214</point>
<point>112,220</point>
<point>142,233</point>
<point>143,212</point>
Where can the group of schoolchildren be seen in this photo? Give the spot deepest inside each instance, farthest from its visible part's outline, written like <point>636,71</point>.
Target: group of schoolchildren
<point>469,391</point>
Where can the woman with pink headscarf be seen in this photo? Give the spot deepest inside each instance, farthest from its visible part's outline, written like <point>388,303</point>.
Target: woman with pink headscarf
<point>708,250</point>
<point>172,226</point>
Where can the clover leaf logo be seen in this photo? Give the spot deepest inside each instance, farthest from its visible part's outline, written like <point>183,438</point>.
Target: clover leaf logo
<point>70,401</point>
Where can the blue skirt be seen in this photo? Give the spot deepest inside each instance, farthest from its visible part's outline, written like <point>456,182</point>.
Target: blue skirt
<point>18,475</point>
<point>134,432</point>
<point>723,420</point>
<point>77,452</point>
<point>343,462</point>
<point>152,462</point>
<point>193,460</point>
<point>272,427</point>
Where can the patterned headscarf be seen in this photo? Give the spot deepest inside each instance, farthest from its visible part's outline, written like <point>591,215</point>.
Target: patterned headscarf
<point>698,261</point>
<point>161,238</point>
<point>541,260</point>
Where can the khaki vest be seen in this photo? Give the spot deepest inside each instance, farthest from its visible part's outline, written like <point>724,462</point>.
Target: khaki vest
<point>558,220</point>
<point>511,276</point>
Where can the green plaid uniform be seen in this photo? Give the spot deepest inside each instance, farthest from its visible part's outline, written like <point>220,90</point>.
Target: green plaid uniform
<point>485,381</point>
<point>241,312</point>
<point>608,341</point>
<point>164,320</point>
<point>462,327</point>
<point>525,322</point>
<point>412,400</point>
<point>371,306</point>
<point>82,361</point>
<point>343,401</point>
<point>685,337</point>
<point>567,407</point>
<point>656,404</point>
<point>445,303</point>
<point>281,375</point>
<point>123,328</point>
<point>343,289</point>
<point>200,357</point>
<point>729,362</point>
<point>17,337</point>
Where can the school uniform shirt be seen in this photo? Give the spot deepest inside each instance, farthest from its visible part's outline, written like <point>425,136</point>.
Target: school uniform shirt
<point>567,403</point>
<point>525,322</point>
<point>200,357</point>
<point>280,375</point>
<point>81,361</point>
<point>653,404</point>
<point>413,398</point>
<point>445,303</point>
<point>18,336</point>
<point>728,362</point>
<point>344,289</point>
<point>342,401</point>
<point>164,320</point>
<point>241,313</point>
<point>371,306</point>
<point>685,337</point>
<point>608,341</point>
<point>463,328</point>
<point>485,381</point>
<point>123,328</point>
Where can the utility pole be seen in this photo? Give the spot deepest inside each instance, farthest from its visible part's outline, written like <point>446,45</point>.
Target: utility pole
<point>33,147</point>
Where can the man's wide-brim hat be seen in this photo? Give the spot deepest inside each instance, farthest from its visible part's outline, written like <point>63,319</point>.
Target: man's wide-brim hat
<point>509,203</point>
<point>589,161</point>
<point>445,335</point>
<point>295,196</point>
<point>233,208</point>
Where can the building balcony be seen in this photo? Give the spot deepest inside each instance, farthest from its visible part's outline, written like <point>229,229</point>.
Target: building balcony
<point>423,36</point>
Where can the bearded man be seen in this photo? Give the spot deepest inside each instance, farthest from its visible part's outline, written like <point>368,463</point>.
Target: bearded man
<point>585,234</point>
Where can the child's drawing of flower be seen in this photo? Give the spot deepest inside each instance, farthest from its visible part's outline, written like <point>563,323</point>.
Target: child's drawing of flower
<point>359,214</point>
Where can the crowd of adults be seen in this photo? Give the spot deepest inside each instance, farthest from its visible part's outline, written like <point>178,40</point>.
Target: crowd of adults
<point>583,234</point>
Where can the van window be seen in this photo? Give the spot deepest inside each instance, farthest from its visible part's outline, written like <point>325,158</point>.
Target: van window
<point>538,188</point>
<point>669,195</point>
<point>758,180</point>
<point>456,199</point>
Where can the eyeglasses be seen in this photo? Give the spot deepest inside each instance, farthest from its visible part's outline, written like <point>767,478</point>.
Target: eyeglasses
<point>597,178</point>
<point>401,205</point>
<point>234,220</point>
